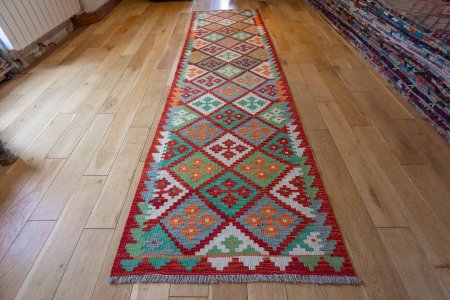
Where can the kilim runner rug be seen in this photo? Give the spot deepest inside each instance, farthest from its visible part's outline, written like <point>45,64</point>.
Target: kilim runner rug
<point>230,191</point>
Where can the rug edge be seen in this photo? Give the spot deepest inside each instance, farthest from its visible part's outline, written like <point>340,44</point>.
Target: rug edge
<point>160,278</point>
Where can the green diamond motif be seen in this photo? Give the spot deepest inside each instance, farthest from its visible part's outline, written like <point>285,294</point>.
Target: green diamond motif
<point>248,21</point>
<point>241,35</point>
<point>203,23</point>
<point>228,55</point>
<point>211,64</point>
<point>179,117</point>
<point>229,117</point>
<point>154,241</point>
<point>246,13</point>
<point>213,26</point>
<point>207,104</point>
<point>197,56</point>
<point>229,193</point>
<point>175,148</point>
<point>213,37</point>
<point>261,169</point>
<point>281,146</point>
<point>196,169</point>
<point>251,103</point>
<point>229,71</point>
<point>278,115</point>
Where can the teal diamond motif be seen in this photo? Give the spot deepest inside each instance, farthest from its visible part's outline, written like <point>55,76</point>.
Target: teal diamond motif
<point>207,104</point>
<point>228,55</point>
<point>241,35</point>
<point>251,103</point>
<point>281,146</point>
<point>229,71</point>
<point>246,62</point>
<point>175,148</point>
<point>278,115</point>
<point>229,193</point>
<point>196,169</point>
<point>213,37</point>
<point>179,117</point>
<point>211,64</point>
<point>229,117</point>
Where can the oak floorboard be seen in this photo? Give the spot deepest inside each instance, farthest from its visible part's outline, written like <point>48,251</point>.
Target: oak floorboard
<point>18,261</point>
<point>53,261</point>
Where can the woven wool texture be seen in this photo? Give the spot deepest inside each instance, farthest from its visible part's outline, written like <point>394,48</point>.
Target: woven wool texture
<point>230,191</point>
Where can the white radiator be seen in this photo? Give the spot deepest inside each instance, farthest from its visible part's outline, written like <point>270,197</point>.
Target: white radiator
<point>24,21</point>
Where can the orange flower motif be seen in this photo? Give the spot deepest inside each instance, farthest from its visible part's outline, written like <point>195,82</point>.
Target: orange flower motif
<point>262,175</point>
<point>192,210</point>
<point>193,72</point>
<point>208,169</point>
<point>195,175</point>
<point>247,168</point>
<point>264,70</point>
<point>207,220</point>
<point>197,162</point>
<point>271,230</point>
<point>255,131</point>
<point>176,221</point>
<point>184,168</point>
<point>254,220</point>
<point>285,221</point>
<point>268,211</point>
<point>190,231</point>
<point>249,80</point>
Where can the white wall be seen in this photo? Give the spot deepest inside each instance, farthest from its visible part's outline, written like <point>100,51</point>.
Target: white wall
<point>91,5</point>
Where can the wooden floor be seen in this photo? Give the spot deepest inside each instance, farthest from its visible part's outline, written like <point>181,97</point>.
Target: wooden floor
<point>83,118</point>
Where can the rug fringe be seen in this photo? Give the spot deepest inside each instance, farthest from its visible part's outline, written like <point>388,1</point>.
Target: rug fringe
<point>158,278</point>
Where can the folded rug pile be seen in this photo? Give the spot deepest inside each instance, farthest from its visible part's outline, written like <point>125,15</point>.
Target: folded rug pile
<point>407,41</point>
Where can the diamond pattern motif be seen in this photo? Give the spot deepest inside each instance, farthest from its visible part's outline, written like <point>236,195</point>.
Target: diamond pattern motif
<point>189,91</point>
<point>201,132</point>
<point>249,80</point>
<point>211,64</point>
<point>243,48</point>
<point>229,91</point>
<point>213,37</point>
<point>251,103</point>
<point>228,149</point>
<point>229,193</point>
<point>191,222</point>
<point>245,62</point>
<point>254,131</point>
<point>261,169</point>
<point>269,221</point>
<point>196,169</point>
<point>212,49</point>
<point>207,104</point>
<point>229,71</point>
<point>229,117</point>
<point>229,187</point>
<point>228,55</point>
<point>209,81</point>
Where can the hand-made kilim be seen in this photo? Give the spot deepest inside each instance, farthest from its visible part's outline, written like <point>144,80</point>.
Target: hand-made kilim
<point>230,191</point>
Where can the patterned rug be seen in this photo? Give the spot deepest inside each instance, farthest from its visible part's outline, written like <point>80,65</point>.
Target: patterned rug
<point>230,190</point>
